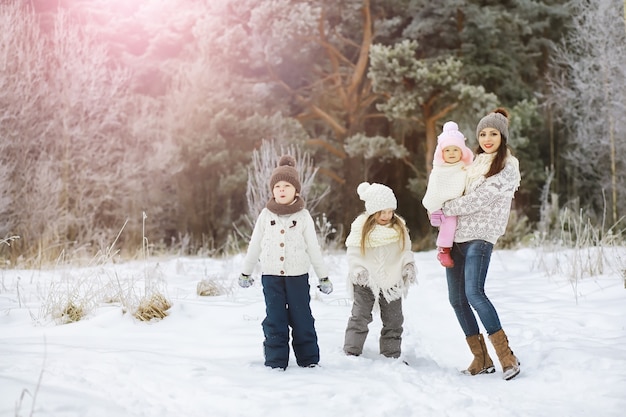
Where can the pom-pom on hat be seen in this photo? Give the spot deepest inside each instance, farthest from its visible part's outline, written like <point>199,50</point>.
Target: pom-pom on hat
<point>451,136</point>
<point>286,171</point>
<point>377,197</point>
<point>497,119</point>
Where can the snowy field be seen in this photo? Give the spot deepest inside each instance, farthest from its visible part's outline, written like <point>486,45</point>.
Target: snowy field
<point>205,359</point>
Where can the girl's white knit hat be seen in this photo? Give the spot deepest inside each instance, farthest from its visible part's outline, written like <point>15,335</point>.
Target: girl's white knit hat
<point>377,197</point>
<point>452,136</point>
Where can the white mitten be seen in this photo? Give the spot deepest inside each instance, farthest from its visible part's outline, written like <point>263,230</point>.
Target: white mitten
<point>409,273</point>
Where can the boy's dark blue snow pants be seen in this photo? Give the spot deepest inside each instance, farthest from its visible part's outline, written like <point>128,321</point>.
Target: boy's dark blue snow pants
<point>287,304</point>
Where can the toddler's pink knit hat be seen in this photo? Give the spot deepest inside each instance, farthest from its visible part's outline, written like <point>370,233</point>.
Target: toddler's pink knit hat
<point>451,136</point>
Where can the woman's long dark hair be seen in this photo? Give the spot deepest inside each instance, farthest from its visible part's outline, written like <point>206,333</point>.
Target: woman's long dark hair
<point>499,160</point>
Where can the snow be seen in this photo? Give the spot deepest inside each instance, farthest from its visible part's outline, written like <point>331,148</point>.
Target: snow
<point>205,358</point>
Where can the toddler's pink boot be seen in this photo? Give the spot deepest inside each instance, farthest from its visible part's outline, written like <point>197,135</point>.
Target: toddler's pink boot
<point>443,255</point>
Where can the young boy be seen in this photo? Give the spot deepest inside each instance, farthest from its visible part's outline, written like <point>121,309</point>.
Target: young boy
<point>285,242</point>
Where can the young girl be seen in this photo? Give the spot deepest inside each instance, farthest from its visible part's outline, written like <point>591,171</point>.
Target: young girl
<point>285,242</point>
<point>380,269</point>
<point>483,213</point>
<point>447,181</point>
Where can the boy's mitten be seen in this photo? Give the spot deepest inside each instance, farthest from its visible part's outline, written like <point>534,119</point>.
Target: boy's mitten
<point>325,285</point>
<point>245,281</point>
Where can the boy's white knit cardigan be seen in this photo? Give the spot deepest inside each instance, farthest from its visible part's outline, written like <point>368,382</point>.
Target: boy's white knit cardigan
<point>285,245</point>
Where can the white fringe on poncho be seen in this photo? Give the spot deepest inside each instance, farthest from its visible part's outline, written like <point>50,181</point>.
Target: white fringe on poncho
<point>384,259</point>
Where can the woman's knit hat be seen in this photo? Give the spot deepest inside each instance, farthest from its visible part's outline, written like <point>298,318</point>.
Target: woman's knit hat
<point>286,171</point>
<point>451,136</point>
<point>377,197</point>
<point>497,119</point>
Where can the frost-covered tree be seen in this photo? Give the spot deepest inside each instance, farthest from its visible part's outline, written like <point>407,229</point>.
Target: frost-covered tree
<point>264,160</point>
<point>78,148</point>
<point>425,91</point>
<point>503,44</point>
<point>217,119</point>
<point>205,82</point>
<point>312,56</point>
<point>589,93</point>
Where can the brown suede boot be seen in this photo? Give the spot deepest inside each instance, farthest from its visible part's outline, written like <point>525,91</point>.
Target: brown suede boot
<point>482,363</point>
<point>510,364</point>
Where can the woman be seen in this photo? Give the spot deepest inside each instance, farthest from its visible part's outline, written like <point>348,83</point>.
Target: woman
<point>482,215</point>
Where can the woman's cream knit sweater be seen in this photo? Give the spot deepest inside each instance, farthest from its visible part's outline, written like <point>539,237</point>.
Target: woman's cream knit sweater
<point>483,212</point>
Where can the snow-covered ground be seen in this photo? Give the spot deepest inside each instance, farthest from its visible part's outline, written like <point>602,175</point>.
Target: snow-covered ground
<point>205,358</point>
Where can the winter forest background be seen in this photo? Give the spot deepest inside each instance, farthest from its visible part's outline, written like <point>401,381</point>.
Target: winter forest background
<point>152,125</point>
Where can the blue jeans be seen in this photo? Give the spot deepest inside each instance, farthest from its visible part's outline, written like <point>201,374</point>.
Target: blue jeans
<point>287,305</point>
<point>466,287</point>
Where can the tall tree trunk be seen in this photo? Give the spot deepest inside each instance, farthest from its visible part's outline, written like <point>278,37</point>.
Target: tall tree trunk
<point>612,151</point>
<point>431,116</point>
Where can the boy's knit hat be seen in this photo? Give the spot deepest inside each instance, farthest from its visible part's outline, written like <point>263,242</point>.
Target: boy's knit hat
<point>497,119</point>
<point>451,136</point>
<point>377,197</point>
<point>286,171</point>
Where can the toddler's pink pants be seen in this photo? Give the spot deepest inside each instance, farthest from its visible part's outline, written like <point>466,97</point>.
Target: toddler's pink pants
<point>445,238</point>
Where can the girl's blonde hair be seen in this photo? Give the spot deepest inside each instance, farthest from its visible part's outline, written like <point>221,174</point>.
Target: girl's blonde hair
<point>396,222</point>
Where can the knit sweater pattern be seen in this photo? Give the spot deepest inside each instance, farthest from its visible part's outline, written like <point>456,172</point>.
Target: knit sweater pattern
<point>285,245</point>
<point>483,212</point>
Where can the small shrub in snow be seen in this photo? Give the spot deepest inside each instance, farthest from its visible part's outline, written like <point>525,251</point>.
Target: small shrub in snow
<point>69,300</point>
<point>153,306</point>
<point>210,288</point>
<point>328,236</point>
<point>72,313</point>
